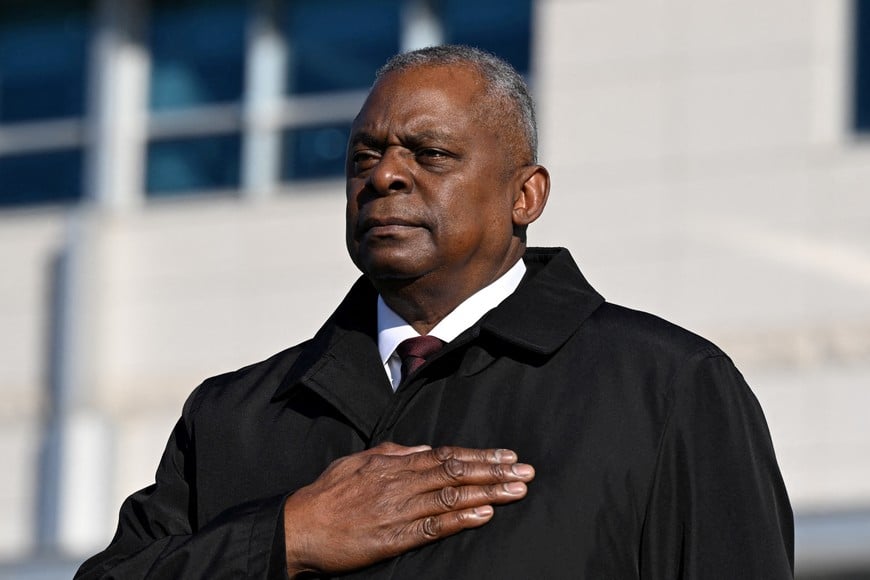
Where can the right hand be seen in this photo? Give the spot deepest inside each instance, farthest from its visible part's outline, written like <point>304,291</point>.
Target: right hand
<point>390,499</point>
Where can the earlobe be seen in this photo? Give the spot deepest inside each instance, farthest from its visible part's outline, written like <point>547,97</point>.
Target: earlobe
<point>532,194</point>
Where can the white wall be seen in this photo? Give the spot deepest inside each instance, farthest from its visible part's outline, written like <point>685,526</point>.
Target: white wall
<point>27,243</point>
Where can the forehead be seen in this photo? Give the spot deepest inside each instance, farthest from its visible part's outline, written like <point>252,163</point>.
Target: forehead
<point>423,97</point>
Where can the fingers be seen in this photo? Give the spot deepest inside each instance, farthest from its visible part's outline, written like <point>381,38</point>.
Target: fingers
<point>478,486</point>
<point>435,527</point>
<point>450,510</point>
<point>453,456</point>
<point>449,499</point>
<point>455,472</point>
<point>450,466</point>
<point>442,454</point>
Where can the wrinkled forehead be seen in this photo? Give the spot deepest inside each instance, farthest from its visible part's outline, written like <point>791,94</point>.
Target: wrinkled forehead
<point>459,85</point>
<point>425,96</point>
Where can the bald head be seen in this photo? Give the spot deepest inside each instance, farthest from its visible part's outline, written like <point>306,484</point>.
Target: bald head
<point>507,107</point>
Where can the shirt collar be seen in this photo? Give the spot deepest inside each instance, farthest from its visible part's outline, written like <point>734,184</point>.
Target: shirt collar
<point>392,328</point>
<point>341,362</point>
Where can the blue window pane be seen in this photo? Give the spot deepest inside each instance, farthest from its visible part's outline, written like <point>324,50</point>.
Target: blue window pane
<point>191,165</point>
<point>315,152</point>
<point>43,50</point>
<point>338,45</point>
<point>502,27</point>
<point>41,177</point>
<point>197,51</point>
<point>861,109</point>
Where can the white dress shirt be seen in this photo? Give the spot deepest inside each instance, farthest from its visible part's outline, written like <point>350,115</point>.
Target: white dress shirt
<point>392,328</point>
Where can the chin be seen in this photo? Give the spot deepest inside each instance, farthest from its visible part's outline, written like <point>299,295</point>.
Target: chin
<point>391,269</point>
<point>391,272</point>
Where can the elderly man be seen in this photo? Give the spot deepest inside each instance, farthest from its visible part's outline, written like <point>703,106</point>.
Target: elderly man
<point>389,445</point>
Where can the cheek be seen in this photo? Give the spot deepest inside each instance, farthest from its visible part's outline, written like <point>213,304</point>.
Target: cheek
<point>351,211</point>
<point>353,194</point>
<point>349,218</point>
<point>462,228</point>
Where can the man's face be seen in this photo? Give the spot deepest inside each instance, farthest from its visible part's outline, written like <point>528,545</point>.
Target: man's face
<point>430,187</point>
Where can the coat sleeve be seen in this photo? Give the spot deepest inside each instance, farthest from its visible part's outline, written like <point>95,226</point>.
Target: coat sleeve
<point>159,538</point>
<point>718,508</point>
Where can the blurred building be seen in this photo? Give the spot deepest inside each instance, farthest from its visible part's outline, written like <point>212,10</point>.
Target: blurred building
<point>171,178</point>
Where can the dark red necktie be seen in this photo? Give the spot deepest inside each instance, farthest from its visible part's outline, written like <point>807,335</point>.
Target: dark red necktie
<point>415,351</point>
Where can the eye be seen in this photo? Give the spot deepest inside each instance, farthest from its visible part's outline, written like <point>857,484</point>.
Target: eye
<point>432,156</point>
<point>364,160</point>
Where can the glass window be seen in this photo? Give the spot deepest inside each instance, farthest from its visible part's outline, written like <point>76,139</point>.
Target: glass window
<point>502,27</point>
<point>197,51</point>
<point>315,152</point>
<point>53,176</point>
<point>861,113</point>
<point>193,165</point>
<point>339,45</point>
<point>43,51</point>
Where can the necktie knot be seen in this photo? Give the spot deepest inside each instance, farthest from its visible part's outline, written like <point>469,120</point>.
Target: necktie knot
<point>415,351</point>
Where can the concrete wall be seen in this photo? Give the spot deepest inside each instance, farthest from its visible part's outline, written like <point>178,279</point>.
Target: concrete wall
<point>27,245</point>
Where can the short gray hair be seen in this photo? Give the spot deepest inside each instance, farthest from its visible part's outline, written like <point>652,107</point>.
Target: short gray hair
<point>503,83</point>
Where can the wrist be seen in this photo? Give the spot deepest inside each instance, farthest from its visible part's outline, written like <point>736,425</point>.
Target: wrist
<point>294,540</point>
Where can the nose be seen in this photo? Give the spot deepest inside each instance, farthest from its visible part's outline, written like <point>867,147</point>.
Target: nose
<point>391,174</point>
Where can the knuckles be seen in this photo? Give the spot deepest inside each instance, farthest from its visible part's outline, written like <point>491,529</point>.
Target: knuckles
<point>491,492</point>
<point>431,527</point>
<point>376,464</point>
<point>499,472</point>
<point>454,469</point>
<point>443,453</point>
<point>447,498</point>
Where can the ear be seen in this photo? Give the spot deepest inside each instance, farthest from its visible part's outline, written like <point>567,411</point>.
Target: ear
<point>531,194</point>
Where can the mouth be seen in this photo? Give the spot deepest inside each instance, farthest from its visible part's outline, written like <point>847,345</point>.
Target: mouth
<point>386,227</point>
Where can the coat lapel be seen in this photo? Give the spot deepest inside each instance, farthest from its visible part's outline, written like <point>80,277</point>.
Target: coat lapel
<point>341,364</point>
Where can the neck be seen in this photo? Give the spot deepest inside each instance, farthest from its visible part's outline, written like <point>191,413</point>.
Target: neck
<point>424,302</point>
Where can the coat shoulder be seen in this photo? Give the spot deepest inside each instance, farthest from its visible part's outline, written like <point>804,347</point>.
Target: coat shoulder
<point>258,380</point>
<point>639,332</point>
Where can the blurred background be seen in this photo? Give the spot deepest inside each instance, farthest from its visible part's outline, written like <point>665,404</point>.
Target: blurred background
<point>171,178</point>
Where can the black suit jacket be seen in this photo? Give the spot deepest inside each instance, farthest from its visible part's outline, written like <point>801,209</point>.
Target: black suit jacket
<point>652,456</point>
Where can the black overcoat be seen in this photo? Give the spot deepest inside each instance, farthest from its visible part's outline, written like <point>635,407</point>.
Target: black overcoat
<point>652,455</point>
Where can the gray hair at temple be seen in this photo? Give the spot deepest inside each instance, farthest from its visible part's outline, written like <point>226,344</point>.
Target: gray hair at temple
<point>504,85</point>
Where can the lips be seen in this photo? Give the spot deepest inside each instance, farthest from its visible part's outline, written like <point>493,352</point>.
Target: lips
<point>386,226</point>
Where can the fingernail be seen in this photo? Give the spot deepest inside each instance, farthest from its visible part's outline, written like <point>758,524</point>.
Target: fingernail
<point>522,469</point>
<point>483,511</point>
<point>515,487</point>
<point>505,456</point>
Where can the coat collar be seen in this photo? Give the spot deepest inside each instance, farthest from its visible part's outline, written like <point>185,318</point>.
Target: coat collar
<point>550,304</point>
<point>341,363</point>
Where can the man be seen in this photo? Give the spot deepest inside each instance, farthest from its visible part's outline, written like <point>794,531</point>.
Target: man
<point>649,454</point>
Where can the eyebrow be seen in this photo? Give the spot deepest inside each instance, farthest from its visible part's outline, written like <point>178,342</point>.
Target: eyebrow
<point>431,135</point>
<point>364,138</point>
<point>414,138</point>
